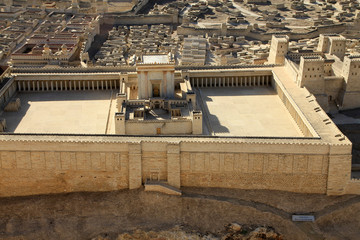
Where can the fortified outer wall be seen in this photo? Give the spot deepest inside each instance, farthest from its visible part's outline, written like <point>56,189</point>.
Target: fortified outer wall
<point>248,32</point>
<point>53,164</point>
<point>295,112</point>
<point>140,19</point>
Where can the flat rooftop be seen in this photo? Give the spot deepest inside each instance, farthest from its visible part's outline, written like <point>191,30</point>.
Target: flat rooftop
<point>79,112</point>
<point>251,111</point>
<point>151,59</point>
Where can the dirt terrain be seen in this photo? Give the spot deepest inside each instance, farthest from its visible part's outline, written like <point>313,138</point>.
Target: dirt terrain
<point>203,211</point>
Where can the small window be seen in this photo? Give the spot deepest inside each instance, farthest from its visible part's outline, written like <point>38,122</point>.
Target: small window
<point>158,130</point>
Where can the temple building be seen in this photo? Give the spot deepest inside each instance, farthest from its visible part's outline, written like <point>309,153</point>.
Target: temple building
<point>154,101</point>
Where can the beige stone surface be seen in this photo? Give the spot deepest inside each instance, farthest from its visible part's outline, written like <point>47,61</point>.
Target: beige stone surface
<point>83,112</point>
<point>252,111</point>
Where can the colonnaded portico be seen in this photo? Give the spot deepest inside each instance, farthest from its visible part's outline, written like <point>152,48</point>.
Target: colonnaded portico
<point>232,81</point>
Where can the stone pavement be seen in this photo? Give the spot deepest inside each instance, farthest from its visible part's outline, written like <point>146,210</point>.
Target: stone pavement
<point>251,111</point>
<point>83,112</point>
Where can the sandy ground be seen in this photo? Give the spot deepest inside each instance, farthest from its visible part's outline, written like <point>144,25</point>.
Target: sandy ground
<point>108,214</point>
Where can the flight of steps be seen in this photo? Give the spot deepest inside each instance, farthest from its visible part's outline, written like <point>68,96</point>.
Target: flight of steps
<point>161,186</point>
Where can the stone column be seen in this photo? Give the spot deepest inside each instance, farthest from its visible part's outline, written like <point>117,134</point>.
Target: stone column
<point>61,85</point>
<point>147,89</point>
<point>92,85</point>
<point>173,165</point>
<point>19,86</point>
<point>106,85</point>
<point>141,90</point>
<point>170,86</point>
<point>197,82</point>
<point>66,85</point>
<point>232,81</point>
<point>135,177</point>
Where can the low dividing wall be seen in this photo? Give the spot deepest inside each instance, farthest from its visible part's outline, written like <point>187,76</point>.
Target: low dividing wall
<point>41,164</point>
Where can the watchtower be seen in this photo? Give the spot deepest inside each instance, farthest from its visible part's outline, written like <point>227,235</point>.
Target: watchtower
<point>278,49</point>
<point>351,88</point>
<point>311,74</point>
<point>334,44</point>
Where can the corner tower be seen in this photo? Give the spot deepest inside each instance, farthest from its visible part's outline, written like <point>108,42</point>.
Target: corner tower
<point>311,76</point>
<point>351,87</point>
<point>278,49</point>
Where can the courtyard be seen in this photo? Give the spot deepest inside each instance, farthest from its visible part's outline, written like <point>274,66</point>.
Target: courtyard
<point>252,111</point>
<point>75,112</point>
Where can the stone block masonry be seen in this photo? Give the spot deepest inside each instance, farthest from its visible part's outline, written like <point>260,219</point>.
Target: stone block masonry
<point>44,164</point>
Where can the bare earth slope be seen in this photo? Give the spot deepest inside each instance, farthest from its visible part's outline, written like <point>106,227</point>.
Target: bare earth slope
<point>108,214</point>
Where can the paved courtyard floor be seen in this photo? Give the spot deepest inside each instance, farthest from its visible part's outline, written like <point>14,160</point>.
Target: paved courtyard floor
<point>249,111</point>
<point>80,112</point>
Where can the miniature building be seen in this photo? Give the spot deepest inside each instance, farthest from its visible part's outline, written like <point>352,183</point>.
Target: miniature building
<point>194,51</point>
<point>278,49</point>
<point>333,44</point>
<point>351,88</point>
<point>154,109</point>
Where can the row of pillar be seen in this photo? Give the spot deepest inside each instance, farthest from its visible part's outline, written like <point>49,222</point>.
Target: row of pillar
<point>231,81</point>
<point>5,97</point>
<point>66,85</point>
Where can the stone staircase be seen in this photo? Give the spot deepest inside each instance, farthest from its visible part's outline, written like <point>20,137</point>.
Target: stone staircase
<point>161,186</point>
